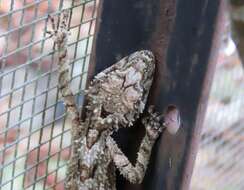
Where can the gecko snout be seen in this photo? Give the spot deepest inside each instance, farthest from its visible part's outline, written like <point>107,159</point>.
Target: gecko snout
<point>147,55</point>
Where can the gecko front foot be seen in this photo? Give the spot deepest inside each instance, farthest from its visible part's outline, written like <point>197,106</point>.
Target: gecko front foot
<point>153,123</point>
<point>59,30</point>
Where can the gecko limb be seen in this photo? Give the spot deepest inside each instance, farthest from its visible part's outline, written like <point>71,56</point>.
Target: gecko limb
<point>59,33</point>
<point>135,174</point>
<point>60,37</point>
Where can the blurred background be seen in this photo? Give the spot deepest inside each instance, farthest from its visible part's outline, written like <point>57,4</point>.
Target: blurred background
<point>34,131</point>
<point>220,163</point>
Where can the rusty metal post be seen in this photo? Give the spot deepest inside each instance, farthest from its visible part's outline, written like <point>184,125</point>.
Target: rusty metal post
<point>184,37</point>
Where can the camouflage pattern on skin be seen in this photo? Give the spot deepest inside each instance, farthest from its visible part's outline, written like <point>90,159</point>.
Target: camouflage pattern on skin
<point>116,97</point>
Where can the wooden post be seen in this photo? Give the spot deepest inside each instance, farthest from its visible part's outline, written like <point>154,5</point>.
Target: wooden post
<point>183,37</point>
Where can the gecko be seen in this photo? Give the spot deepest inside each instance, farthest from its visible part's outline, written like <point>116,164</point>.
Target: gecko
<point>116,98</point>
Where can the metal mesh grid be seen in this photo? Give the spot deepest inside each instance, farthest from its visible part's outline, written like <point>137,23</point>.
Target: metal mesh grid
<point>34,132</point>
<point>220,163</point>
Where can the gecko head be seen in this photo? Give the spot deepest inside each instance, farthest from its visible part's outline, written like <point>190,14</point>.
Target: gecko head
<point>144,62</point>
<point>145,54</point>
<point>123,88</point>
<point>140,68</point>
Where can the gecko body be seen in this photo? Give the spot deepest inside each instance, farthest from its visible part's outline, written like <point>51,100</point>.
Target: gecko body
<point>115,98</point>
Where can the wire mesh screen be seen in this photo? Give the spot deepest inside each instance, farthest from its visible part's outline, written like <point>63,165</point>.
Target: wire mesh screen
<point>220,163</point>
<point>34,132</point>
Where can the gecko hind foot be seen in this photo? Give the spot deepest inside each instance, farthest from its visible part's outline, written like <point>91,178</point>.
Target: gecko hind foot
<point>59,27</point>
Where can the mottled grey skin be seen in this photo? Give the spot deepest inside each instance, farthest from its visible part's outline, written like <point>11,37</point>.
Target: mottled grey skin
<point>116,97</point>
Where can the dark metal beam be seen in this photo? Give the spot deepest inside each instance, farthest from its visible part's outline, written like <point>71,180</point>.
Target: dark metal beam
<point>185,65</point>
